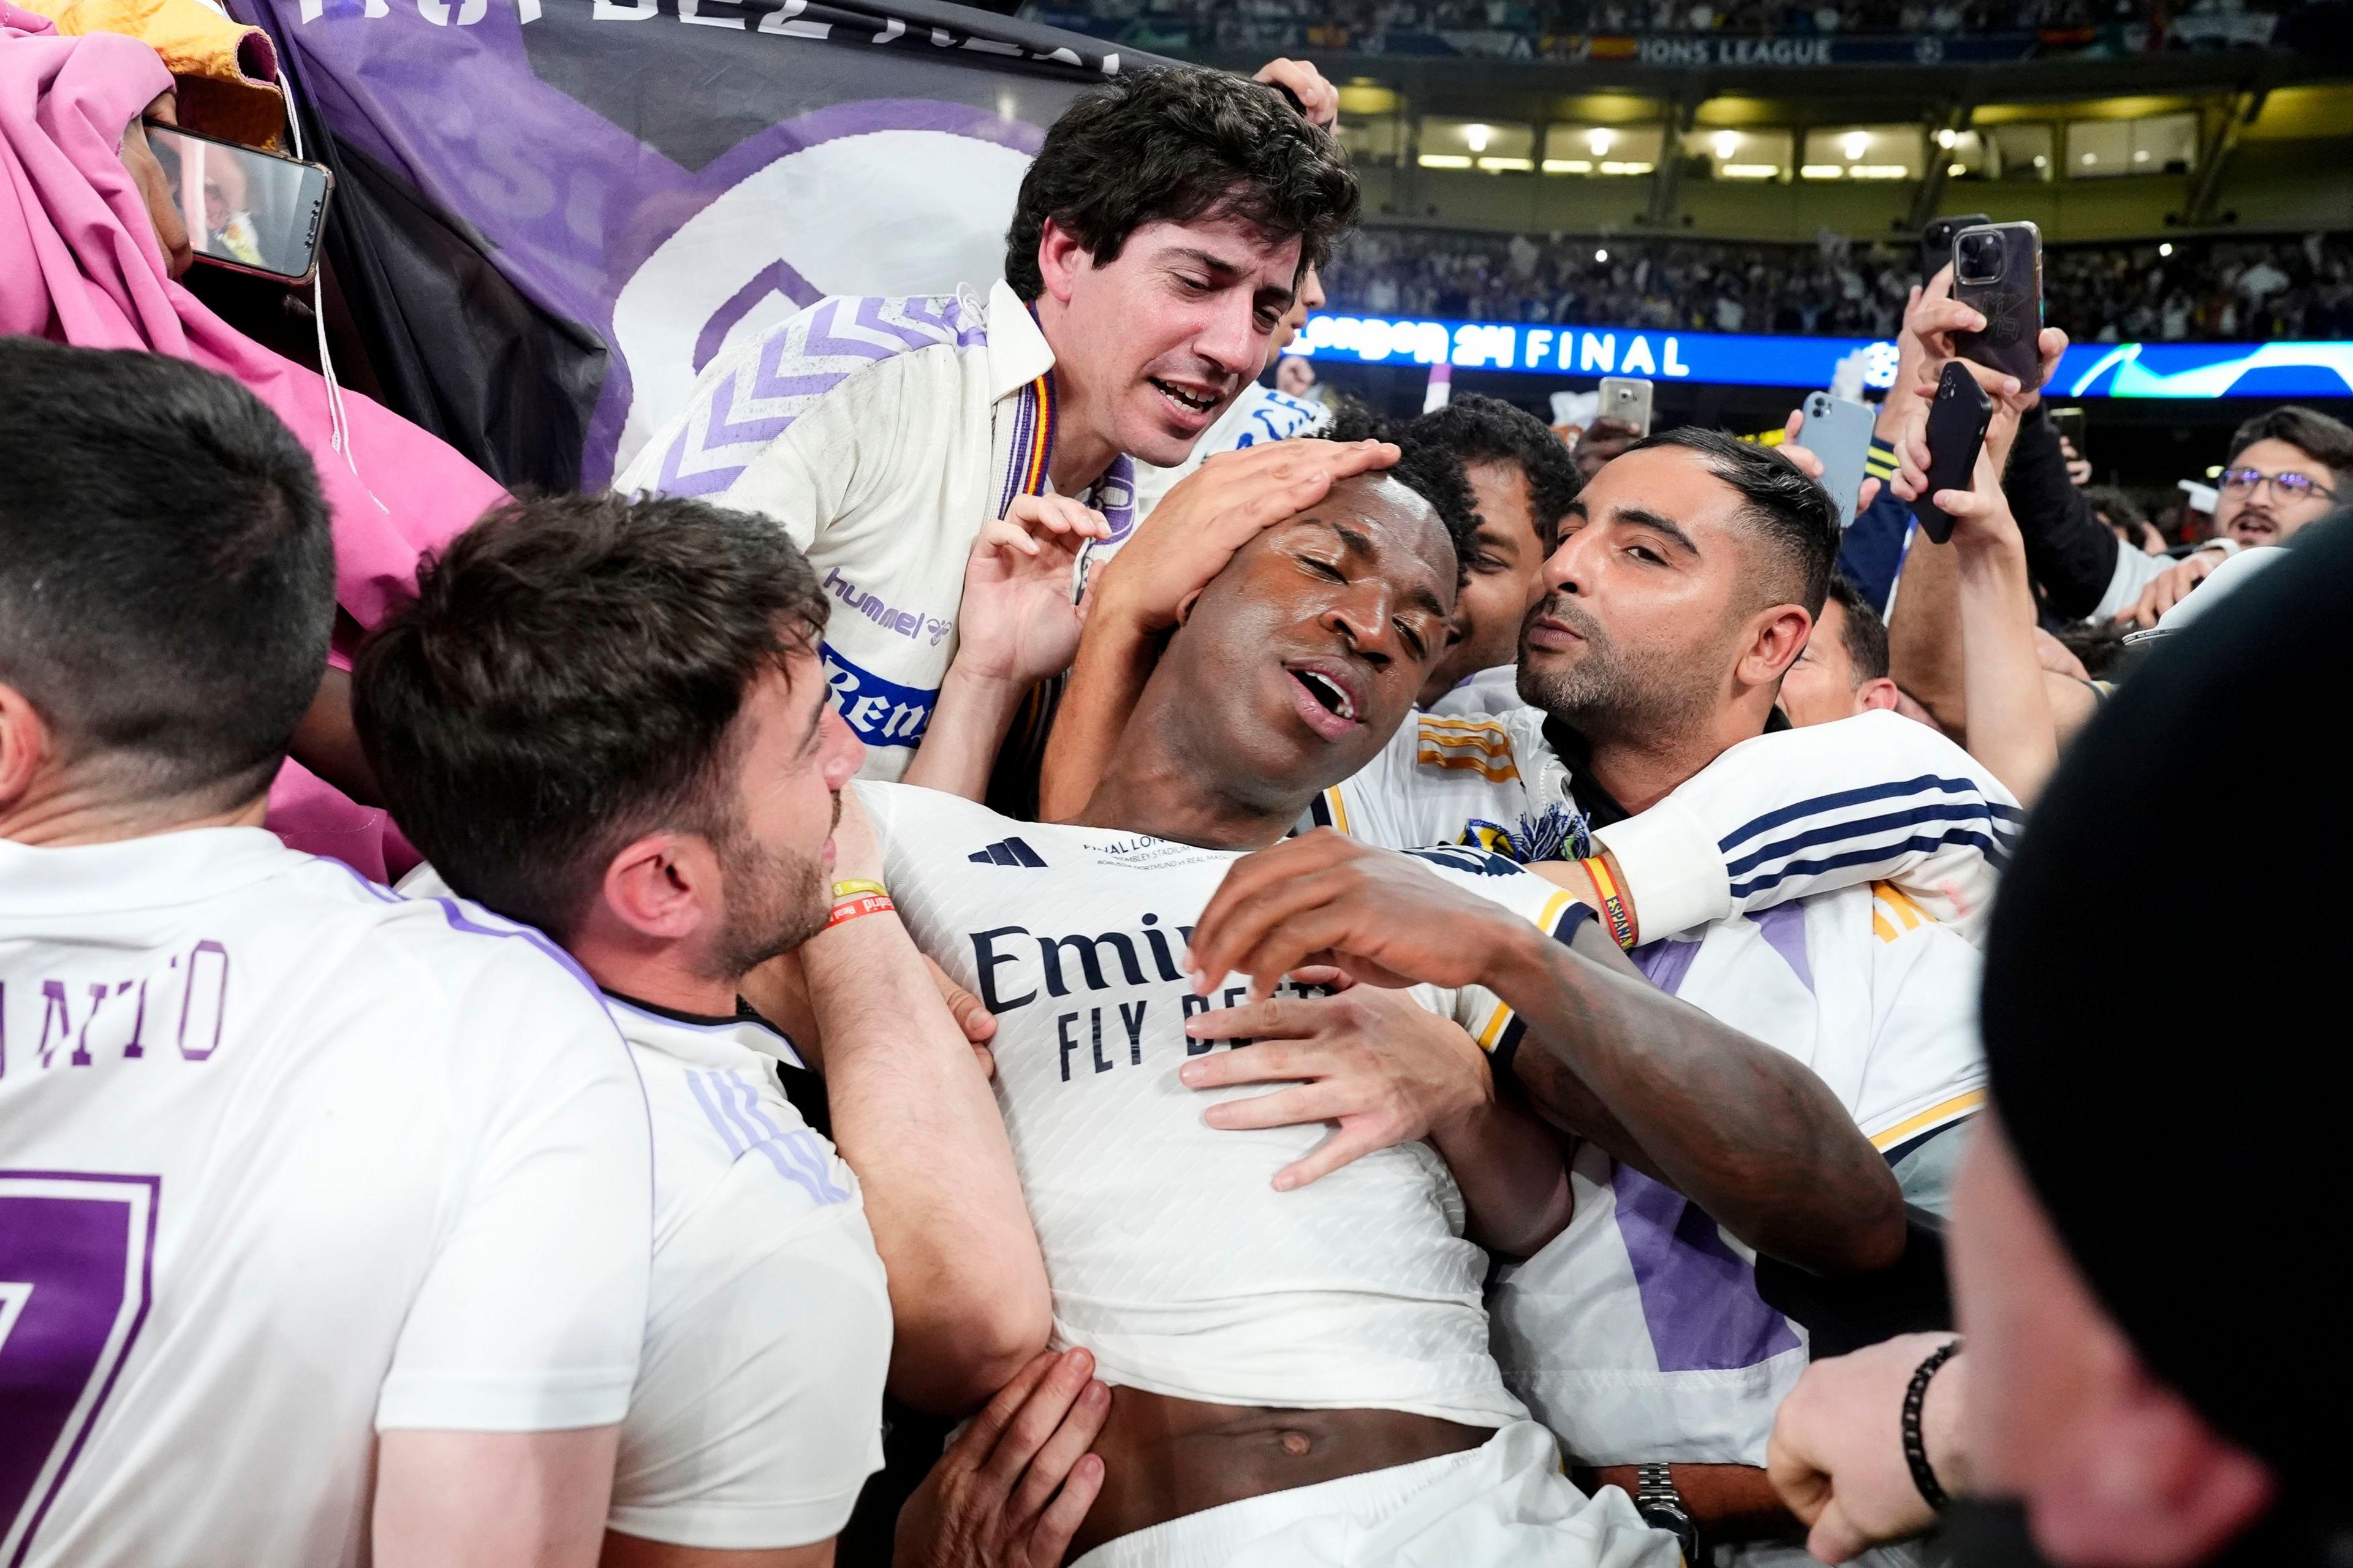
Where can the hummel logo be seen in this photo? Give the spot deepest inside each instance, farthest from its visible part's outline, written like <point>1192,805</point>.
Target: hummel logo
<point>1007,852</point>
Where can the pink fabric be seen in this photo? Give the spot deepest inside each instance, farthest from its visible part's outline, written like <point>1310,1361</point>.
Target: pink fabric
<point>79,264</point>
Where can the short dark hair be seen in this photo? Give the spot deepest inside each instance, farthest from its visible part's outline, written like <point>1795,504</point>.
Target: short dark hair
<point>1424,466</point>
<point>1174,144</point>
<point>1864,636</point>
<point>1791,510</point>
<point>2308,430</point>
<point>567,678</point>
<point>1478,429</point>
<point>167,575</point>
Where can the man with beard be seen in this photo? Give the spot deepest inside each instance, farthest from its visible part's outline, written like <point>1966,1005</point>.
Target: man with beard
<point>1817,883</point>
<point>1299,1363</point>
<point>1159,238</point>
<point>609,720</point>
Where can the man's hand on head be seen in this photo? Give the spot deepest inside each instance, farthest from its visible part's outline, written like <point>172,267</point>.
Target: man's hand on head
<point>1382,1067</point>
<point>1213,511</point>
<point>1318,98</point>
<point>1382,917</point>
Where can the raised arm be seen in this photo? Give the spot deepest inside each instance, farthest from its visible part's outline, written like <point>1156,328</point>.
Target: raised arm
<point>1746,1131</point>
<point>915,1117</point>
<point>1140,595</point>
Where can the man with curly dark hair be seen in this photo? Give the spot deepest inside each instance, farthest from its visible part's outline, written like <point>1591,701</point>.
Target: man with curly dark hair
<point>1158,239</point>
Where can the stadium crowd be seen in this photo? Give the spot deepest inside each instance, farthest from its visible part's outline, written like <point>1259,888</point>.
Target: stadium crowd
<point>1541,27</point>
<point>2251,290</point>
<point>1035,952</point>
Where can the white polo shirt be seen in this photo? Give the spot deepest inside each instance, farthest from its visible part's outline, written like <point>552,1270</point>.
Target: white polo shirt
<point>287,1161</point>
<point>758,1411</point>
<point>882,435</point>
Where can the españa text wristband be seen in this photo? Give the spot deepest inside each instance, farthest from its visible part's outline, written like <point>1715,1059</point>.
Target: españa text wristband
<point>1613,904</point>
<point>850,909</point>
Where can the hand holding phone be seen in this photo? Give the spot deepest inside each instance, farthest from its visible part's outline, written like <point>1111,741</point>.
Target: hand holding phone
<point>1839,433</point>
<point>1997,272</point>
<point>1956,432</point>
<point>1626,398</point>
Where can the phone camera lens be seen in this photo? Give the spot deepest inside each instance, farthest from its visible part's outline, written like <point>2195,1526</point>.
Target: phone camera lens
<point>1980,257</point>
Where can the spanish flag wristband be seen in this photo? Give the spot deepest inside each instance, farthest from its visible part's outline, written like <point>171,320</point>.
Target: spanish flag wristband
<point>857,905</point>
<point>1614,903</point>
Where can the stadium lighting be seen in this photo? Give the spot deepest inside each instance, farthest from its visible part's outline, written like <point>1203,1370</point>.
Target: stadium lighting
<point>1599,141</point>
<point>2041,162</point>
<point>1726,143</point>
<point>2166,249</point>
<point>1477,136</point>
<point>1822,172</point>
<point>1600,256</point>
<point>1444,160</point>
<point>1750,171</point>
<point>1567,167</point>
<point>1945,137</point>
<point>2091,157</point>
<point>2140,155</point>
<point>1857,144</point>
<point>1955,171</point>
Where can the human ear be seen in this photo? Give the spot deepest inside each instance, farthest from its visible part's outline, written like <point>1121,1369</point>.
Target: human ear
<point>1185,605</point>
<point>658,885</point>
<point>1061,258</point>
<point>1777,639</point>
<point>1881,692</point>
<point>24,744</point>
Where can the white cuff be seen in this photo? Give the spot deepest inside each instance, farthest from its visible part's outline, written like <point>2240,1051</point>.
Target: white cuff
<point>1672,866</point>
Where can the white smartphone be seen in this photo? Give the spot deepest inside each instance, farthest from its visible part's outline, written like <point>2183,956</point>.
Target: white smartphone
<point>1839,433</point>
<point>1626,397</point>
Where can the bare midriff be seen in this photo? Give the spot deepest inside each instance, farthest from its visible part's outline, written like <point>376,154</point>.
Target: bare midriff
<point>1165,1457</point>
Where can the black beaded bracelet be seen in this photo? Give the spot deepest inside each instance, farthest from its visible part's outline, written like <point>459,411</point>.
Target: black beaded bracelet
<point>1915,1447</point>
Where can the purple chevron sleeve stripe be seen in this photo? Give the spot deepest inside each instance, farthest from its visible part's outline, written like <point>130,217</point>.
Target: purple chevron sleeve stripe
<point>825,322</point>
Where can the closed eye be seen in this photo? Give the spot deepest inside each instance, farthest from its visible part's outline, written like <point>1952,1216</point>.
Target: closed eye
<point>1412,640</point>
<point>1325,567</point>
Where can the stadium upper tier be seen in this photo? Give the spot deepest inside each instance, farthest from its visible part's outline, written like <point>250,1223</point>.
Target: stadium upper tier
<point>1601,29</point>
<point>2250,288</point>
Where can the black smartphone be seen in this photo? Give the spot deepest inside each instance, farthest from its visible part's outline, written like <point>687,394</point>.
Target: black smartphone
<point>248,210</point>
<point>1956,431</point>
<point>1997,272</point>
<point>2069,422</point>
<point>1937,241</point>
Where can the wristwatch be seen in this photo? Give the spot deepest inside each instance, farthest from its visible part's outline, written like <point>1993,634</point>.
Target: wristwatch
<point>1661,1507</point>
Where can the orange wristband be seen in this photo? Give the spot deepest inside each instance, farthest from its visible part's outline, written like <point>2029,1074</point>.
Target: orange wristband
<point>1613,905</point>
<point>863,904</point>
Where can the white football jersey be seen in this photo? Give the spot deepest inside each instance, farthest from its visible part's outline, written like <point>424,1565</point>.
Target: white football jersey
<point>883,435</point>
<point>1172,1256</point>
<point>287,1160</point>
<point>1638,1335</point>
<point>1877,798</point>
<point>1481,694</point>
<point>758,1412</point>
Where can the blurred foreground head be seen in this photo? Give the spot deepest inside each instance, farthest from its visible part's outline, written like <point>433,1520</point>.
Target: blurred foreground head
<point>2141,1237</point>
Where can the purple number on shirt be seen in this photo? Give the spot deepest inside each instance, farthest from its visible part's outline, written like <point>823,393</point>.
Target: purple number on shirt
<point>76,1255</point>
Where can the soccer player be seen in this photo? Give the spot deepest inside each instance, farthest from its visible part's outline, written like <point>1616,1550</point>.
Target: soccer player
<point>1293,1360</point>
<point>1158,239</point>
<point>608,717</point>
<point>323,1215</point>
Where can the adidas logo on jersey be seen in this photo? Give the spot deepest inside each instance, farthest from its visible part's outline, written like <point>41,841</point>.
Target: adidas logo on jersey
<point>1007,852</point>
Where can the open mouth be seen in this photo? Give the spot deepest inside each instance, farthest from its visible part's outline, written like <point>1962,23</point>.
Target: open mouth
<point>1195,403</point>
<point>1323,700</point>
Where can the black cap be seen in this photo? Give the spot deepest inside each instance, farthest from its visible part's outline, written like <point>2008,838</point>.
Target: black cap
<point>2167,987</point>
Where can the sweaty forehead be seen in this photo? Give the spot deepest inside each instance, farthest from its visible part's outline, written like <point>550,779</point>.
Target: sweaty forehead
<point>1400,525</point>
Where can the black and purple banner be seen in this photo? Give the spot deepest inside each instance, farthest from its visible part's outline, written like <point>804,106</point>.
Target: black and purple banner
<point>552,215</point>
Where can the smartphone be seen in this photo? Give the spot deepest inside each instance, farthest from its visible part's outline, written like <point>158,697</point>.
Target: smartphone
<point>1937,241</point>
<point>248,210</point>
<point>1839,433</point>
<point>1997,271</point>
<point>2069,422</point>
<point>1956,431</point>
<point>1626,397</point>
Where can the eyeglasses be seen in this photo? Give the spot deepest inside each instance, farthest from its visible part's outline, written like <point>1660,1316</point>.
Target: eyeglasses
<point>2289,486</point>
